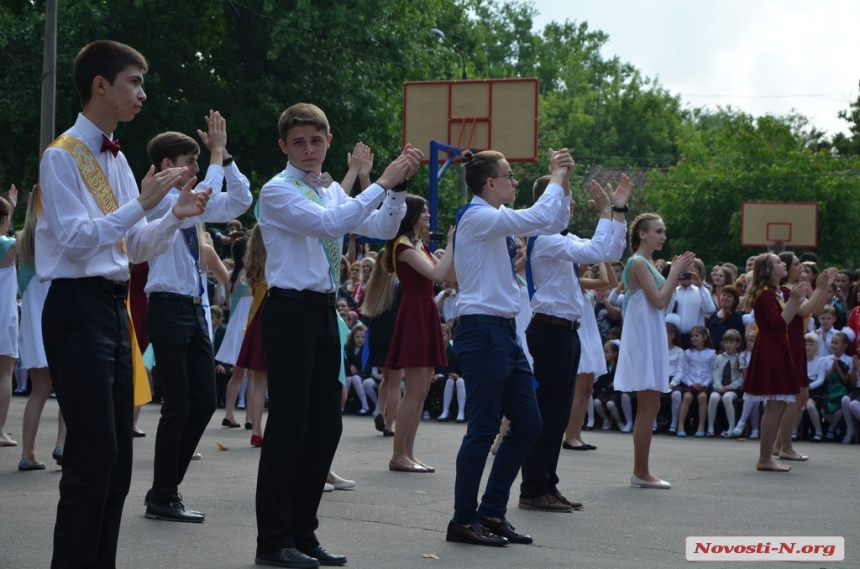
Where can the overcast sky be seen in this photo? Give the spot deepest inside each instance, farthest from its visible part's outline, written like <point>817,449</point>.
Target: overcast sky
<point>762,56</point>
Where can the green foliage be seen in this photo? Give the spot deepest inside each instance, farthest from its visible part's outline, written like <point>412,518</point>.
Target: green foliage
<point>730,157</point>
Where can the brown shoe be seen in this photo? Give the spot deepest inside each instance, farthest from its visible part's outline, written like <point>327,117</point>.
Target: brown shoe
<point>546,503</point>
<point>575,505</point>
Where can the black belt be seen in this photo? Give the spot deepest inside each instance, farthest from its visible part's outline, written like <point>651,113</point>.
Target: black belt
<point>113,288</point>
<point>327,298</point>
<point>485,319</point>
<point>571,324</point>
<point>182,298</point>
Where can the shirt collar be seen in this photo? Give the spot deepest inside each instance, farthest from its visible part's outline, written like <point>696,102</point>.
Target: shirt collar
<point>295,172</point>
<point>90,132</point>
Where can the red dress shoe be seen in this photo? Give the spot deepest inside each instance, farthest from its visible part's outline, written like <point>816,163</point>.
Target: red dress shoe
<point>256,441</point>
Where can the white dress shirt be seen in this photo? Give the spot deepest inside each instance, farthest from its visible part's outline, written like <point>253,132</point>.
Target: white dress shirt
<point>697,367</point>
<point>175,270</point>
<point>293,225</point>
<point>487,283</point>
<point>557,290</point>
<point>693,305</point>
<point>824,338</point>
<point>74,238</point>
<point>816,370</point>
<point>449,309</point>
<point>676,364</point>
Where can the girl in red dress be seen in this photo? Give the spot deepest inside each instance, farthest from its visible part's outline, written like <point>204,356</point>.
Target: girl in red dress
<point>416,345</point>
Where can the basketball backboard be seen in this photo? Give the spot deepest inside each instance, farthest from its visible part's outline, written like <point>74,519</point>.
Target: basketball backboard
<point>791,224</point>
<point>496,114</point>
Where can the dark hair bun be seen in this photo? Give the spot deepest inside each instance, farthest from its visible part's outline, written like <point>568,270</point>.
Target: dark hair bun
<point>466,157</point>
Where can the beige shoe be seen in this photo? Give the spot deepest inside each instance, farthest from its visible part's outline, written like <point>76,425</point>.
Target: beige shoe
<point>328,488</point>
<point>338,482</point>
<point>196,456</point>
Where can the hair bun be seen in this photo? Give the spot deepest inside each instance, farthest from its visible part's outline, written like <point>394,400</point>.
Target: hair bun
<point>466,157</point>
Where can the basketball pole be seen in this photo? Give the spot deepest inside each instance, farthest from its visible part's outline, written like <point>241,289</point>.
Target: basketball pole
<point>453,153</point>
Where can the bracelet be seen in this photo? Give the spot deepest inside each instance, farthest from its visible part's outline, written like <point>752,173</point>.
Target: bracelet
<point>620,209</point>
<point>227,161</point>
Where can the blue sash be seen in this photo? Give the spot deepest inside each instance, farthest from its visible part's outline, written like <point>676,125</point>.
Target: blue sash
<point>190,236</point>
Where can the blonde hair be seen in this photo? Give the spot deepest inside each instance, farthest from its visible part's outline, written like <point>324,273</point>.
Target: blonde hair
<point>379,294</point>
<point>255,258</point>
<point>26,243</point>
<point>641,223</point>
<point>760,281</point>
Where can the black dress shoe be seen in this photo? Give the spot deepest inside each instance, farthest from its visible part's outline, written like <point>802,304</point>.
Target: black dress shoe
<point>325,558</point>
<point>567,446</point>
<point>475,534</point>
<point>379,422</point>
<point>506,530</point>
<point>287,557</point>
<point>173,512</point>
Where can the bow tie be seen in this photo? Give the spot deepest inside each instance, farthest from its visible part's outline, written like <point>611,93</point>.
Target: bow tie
<point>565,232</point>
<point>110,145</point>
<point>324,180</point>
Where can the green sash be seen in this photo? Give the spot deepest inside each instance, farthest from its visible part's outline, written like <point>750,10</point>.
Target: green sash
<point>331,247</point>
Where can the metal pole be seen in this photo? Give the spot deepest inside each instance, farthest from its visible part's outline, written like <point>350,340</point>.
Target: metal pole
<point>49,76</point>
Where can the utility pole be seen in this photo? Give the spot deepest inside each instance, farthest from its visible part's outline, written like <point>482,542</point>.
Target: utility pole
<point>49,76</point>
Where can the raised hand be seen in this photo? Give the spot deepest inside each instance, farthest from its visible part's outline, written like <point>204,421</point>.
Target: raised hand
<point>401,168</point>
<point>798,291</point>
<point>412,151</point>
<point>191,203</point>
<point>360,159</point>
<point>621,195</point>
<point>683,263</point>
<point>12,196</point>
<point>696,277</point>
<point>155,186</point>
<point>561,162</point>
<point>826,278</point>
<point>215,139</point>
<point>599,198</point>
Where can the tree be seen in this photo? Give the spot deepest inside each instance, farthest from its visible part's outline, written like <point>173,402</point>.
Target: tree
<point>730,157</point>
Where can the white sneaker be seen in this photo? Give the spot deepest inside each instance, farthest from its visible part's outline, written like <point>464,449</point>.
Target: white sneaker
<point>628,428</point>
<point>328,488</point>
<point>754,435</point>
<point>426,415</point>
<point>338,482</point>
<point>606,425</point>
<point>196,456</point>
<point>738,431</point>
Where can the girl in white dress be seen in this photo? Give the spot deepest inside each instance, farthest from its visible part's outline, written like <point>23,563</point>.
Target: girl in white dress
<point>8,313</point>
<point>643,362</point>
<point>592,362</point>
<point>32,350</point>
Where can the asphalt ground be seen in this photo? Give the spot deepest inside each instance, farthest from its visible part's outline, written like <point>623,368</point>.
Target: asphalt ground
<point>398,520</point>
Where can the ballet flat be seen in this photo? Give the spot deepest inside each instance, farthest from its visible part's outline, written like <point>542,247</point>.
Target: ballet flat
<point>639,483</point>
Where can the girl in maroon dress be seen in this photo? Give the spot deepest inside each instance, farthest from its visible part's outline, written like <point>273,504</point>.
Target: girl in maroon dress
<point>772,374</point>
<point>417,345</point>
<point>814,304</point>
<point>252,357</point>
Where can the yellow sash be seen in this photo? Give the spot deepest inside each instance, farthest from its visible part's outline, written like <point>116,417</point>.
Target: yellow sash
<point>97,183</point>
<point>260,292</point>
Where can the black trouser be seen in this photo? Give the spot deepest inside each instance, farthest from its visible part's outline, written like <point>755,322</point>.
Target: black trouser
<point>555,351</point>
<point>183,355</point>
<point>300,336</point>
<point>87,343</point>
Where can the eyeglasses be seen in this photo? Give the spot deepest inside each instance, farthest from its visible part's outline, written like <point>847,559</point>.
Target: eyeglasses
<point>509,176</point>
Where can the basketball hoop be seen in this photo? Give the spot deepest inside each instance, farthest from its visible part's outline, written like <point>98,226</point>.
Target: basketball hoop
<point>776,246</point>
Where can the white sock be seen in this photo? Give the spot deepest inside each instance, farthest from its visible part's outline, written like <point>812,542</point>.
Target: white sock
<point>370,388</point>
<point>590,421</point>
<point>461,399</point>
<point>676,407</point>
<point>447,397</point>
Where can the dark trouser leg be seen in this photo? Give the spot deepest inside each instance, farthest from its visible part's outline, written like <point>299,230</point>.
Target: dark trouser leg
<point>556,352</point>
<point>89,355</point>
<point>498,382</point>
<point>183,354</point>
<point>304,425</point>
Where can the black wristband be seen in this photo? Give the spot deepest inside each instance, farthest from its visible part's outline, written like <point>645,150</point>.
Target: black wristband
<point>227,161</point>
<point>620,209</point>
<point>402,186</point>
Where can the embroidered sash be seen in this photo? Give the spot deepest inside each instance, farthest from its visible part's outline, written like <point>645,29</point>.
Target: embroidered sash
<point>97,183</point>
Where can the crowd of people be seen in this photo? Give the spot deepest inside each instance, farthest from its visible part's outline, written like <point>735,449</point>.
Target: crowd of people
<point>527,333</point>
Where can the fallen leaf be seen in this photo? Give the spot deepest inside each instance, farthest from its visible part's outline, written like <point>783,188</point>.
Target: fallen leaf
<point>429,556</point>
<point>221,447</point>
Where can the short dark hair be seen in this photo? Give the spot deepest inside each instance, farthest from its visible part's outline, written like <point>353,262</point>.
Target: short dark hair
<point>170,145</point>
<point>541,184</point>
<point>302,114</point>
<point>479,167</point>
<point>103,58</point>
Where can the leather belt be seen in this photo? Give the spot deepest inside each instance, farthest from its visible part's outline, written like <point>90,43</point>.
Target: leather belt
<point>571,324</point>
<point>183,298</point>
<point>113,288</point>
<point>327,298</point>
<point>486,319</point>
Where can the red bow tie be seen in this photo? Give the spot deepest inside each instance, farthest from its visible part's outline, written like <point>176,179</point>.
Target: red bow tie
<point>109,145</point>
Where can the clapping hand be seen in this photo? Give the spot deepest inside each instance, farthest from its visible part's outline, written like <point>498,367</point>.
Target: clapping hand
<point>561,162</point>
<point>12,196</point>
<point>215,139</point>
<point>360,159</point>
<point>599,198</point>
<point>191,203</point>
<point>799,291</point>
<point>826,278</point>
